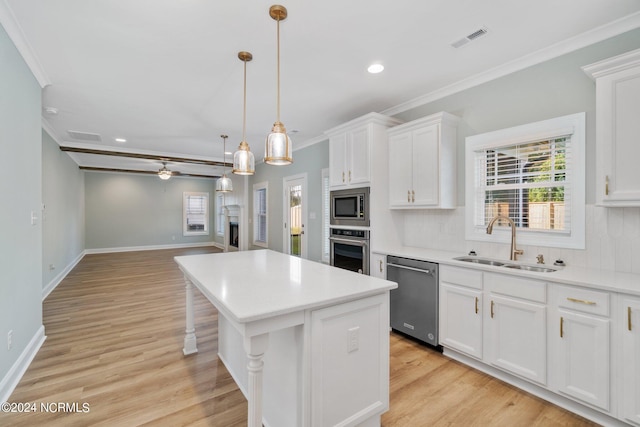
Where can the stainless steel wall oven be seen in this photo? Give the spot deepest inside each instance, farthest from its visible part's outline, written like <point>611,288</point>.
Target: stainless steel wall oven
<point>349,249</point>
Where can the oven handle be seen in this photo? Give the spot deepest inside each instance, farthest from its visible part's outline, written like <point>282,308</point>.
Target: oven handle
<point>362,243</point>
<point>420,270</point>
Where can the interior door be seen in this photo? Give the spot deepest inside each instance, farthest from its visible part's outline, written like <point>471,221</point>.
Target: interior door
<point>295,215</point>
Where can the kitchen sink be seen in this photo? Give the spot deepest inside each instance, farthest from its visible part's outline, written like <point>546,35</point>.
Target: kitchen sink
<point>531,268</point>
<point>477,260</point>
<point>487,261</point>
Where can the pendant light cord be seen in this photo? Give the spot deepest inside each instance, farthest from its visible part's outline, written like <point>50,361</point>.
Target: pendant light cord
<point>244,107</point>
<point>278,59</point>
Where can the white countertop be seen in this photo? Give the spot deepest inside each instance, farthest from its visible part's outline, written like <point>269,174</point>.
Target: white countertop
<point>627,283</point>
<point>255,285</point>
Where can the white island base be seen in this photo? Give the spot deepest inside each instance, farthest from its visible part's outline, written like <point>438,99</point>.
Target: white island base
<point>307,344</point>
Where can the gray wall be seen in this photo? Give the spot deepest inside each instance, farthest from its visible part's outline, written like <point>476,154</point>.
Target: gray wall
<point>551,89</point>
<point>127,210</point>
<point>310,160</point>
<point>20,193</point>
<point>63,214</point>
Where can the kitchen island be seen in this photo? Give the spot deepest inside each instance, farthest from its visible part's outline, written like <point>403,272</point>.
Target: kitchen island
<point>306,343</point>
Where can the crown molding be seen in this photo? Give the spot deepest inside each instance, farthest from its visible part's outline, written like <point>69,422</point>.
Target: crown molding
<point>598,34</point>
<point>13,29</point>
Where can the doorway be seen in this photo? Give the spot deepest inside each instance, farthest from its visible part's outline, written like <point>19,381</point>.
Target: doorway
<point>295,215</point>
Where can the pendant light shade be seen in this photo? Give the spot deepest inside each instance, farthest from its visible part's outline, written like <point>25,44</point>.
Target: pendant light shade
<point>224,183</point>
<point>243,160</point>
<point>278,145</point>
<point>164,173</point>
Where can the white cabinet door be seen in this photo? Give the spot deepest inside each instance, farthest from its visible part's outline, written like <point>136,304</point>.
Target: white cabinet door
<point>400,170</point>
<point>581,357</point>
<point>617,129</point>
<point>359,156</point>
<point>515,336</point>
<point>338,160</point>
<point>461,319</point>
<point>630,366</point>
<point>426,166</point>
<point>378,267</point>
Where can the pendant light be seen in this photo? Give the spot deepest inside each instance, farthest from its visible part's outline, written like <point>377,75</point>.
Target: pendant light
<point>243,160</point>
<point>278,145</point>
<point>224,184</point>
<point>164,173</point>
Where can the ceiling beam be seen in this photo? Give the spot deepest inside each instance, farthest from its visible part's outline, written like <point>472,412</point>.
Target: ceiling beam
<point>156,157</point>
<point>173,173</point>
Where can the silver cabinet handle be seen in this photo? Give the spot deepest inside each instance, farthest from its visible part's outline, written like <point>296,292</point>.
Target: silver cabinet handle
<point>405,267</point>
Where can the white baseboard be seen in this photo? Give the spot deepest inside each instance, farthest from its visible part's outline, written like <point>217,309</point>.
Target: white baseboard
<point>11,380</point>
<point>56,280</point>
<point>148,248</point>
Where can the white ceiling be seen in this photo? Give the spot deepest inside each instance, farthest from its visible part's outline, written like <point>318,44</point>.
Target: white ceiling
<point>165,75</point>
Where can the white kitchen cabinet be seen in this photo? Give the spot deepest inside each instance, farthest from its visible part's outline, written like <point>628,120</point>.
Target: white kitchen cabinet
<point>617,129</point>
<point>515,327</point>
<point>422,163</point>
<point>580,344</point>
<point>378,266</point>
<point>350,149</point>
<point>630,358</point>
<point>461,310</point>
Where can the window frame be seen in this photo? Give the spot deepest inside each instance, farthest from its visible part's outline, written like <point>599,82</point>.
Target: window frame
<point>573,125</point>
<point>185,202</point>
<point>261,186</point>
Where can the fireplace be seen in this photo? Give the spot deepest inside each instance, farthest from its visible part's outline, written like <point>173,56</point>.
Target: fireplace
<point>233,234</point>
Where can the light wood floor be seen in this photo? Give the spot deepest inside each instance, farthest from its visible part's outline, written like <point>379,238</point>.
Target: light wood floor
<point>114,330</point>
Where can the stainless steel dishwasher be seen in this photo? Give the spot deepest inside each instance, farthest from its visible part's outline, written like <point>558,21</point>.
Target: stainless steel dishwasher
<point>414,304</point>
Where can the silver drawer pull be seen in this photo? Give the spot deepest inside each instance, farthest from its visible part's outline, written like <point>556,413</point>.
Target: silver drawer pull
<point>581,301</point>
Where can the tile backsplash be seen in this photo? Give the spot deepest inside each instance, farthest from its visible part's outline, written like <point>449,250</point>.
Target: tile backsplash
<point>612,238</point>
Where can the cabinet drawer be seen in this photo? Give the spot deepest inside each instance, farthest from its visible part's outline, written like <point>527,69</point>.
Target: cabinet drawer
<point>519,287</point>
<point>584,300</point>
<point>461,276</point>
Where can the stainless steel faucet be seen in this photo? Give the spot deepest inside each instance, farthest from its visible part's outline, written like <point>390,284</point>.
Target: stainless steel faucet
<point>514,252</point>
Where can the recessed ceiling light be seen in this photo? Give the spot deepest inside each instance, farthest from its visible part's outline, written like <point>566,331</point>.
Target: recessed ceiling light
<point>375,68</point>
<point>228,153</point>
<point>120,140</point>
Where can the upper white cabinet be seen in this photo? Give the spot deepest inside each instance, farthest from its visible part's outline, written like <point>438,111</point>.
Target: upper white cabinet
<point>617,129</point>
<point>350,149</point>
<point>422,163</point>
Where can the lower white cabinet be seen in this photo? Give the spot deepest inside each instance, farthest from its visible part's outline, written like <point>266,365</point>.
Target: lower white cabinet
<point>580,345</point>
<point>378,265</point>
<point>630,366</point>
<point>461,310</point>
<point>515,331</point>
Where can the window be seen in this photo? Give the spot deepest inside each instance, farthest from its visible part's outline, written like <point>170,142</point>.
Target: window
<point>220,214</point>
<point>195,214</point>
<point>533,174</point>
<point>260,209</point>
<point>325,215</point>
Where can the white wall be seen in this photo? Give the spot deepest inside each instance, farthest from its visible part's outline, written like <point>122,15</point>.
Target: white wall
<point>20,196</point>
<point>63,214</point>
<point>555,88</point>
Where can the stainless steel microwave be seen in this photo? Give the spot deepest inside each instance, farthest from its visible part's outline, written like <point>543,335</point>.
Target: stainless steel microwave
<point>350,207</point>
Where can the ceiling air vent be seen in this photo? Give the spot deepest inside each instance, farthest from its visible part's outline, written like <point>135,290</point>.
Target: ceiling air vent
<point>84,136</point>
<point>474,35</point>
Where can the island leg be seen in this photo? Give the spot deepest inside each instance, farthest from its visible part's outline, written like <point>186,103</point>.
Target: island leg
<point>255,347</point>
<point>190,332</point>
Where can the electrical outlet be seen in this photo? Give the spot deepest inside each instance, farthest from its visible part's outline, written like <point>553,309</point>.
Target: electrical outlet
<point>353,339</point>
<point>9,340</point>
<point>52,267</point>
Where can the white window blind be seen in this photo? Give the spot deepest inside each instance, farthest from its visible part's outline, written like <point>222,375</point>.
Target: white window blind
<point>528,182</point>
<point>325,215</point>
<point>260,211</point>
<point>195,213</point>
